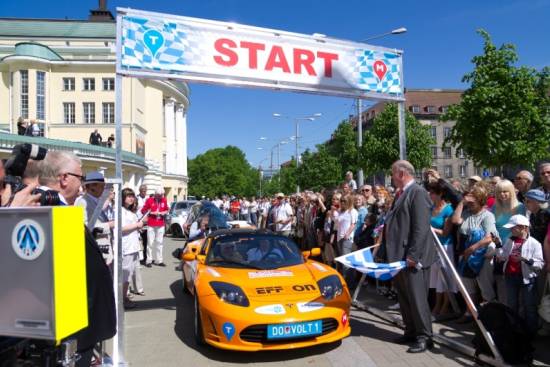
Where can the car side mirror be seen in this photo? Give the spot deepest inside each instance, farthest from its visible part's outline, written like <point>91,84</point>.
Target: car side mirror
<point>316,251</point>
<point>201,258</point>
<point>189,256</point>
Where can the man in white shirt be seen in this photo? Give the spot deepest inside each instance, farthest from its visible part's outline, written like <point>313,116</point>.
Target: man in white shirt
<point>283,215</point>
<point>350,181</point>
<point>141,198</point>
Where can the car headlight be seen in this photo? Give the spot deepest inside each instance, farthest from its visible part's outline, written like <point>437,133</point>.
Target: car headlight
<point>330,287</point>
<point>230,293</point>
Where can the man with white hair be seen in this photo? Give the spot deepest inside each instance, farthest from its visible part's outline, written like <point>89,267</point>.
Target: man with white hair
<point>407,237</point>
<point>522,183</point>
<point>62,172</point>
<point>156,208</point>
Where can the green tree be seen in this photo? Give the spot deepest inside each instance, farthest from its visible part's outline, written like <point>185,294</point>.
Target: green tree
<point>343,147</point>
<point>222,171</point>
<point>381,142</point>
<point>319,170</point>
<point>504,116</point>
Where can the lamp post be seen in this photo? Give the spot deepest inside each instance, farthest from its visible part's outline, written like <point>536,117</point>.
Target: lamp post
<point>260,172</point>
<point>296,137</point>
<point>401,113</point>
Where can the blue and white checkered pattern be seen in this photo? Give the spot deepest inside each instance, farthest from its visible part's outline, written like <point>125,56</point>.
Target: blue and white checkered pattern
<point>177,50</point>
<point>363,261</point>
<point>367,79</point>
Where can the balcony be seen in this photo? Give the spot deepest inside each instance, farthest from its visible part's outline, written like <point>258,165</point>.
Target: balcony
<point>86,151</point>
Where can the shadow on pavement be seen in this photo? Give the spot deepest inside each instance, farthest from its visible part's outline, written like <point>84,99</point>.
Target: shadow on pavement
<point>164,303</point>
<point>184,330</point>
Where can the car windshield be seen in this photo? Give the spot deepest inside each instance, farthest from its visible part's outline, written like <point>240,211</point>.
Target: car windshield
<point>262,251</point>
<point>217,220</point>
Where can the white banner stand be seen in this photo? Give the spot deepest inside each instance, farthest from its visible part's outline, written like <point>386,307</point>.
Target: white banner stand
<point>449,272</point>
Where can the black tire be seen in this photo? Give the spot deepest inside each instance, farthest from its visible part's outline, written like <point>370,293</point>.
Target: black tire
<point>199,336</point>
<point>176,231</point>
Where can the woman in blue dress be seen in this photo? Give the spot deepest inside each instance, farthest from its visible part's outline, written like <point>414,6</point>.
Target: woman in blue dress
<point>441,223</point>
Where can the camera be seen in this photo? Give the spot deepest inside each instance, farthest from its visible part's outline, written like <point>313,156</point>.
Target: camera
<point>15,168</point>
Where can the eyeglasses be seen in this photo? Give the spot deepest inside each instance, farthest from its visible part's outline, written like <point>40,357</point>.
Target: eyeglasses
<point>80,177</point>
<point>365,190</point>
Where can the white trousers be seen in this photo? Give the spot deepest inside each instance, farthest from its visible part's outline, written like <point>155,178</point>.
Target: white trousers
<point>155,236</point>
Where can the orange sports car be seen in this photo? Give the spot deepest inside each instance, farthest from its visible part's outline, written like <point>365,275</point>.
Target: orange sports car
<point>255,290</point>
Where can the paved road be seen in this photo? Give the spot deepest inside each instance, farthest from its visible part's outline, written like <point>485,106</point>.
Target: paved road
<point>160,333</point>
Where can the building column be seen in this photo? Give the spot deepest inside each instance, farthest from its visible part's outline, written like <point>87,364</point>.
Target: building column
<point>181,140</point>
<point>169,129</point>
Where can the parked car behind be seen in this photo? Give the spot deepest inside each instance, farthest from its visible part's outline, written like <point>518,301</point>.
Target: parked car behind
<point>177,216</point>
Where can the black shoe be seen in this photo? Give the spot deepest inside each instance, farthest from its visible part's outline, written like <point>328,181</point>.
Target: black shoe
<point>421,345</point>
<point>160,264</point>
<point>148,265</point>
<point>404,339</point>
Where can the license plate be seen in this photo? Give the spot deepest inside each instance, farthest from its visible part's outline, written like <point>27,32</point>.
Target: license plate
<point>295,329</point>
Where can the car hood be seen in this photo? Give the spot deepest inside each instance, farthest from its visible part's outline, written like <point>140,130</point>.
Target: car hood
<point>296,282</point>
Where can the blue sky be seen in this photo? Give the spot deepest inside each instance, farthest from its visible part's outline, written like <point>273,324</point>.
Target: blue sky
<point>438,47</point>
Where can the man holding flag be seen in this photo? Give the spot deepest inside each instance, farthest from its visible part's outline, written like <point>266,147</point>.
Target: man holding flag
<point>408,238</point>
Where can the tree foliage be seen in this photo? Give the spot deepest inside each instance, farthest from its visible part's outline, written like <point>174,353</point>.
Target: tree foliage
<point>504,116</point>
<point>222,171</point>
<point>381,142</point>
<point>343,147</point>
<point>319,169</point>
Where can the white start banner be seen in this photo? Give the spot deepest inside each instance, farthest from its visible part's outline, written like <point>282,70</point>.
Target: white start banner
<point>168,46</point>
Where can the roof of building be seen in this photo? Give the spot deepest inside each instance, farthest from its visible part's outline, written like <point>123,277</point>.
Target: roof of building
<point>56,28</point>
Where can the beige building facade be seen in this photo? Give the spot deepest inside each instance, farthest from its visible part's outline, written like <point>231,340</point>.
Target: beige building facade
<point>61,74</point>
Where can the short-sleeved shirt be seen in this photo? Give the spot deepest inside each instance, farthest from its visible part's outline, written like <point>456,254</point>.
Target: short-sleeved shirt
<point>282,213</point>
<point>483,220</point>
<point>438,222</point>
<point>345,220</point>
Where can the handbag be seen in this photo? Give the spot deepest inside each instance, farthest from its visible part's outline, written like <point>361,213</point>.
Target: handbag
<point>544,306</point>
<point>471,267</point>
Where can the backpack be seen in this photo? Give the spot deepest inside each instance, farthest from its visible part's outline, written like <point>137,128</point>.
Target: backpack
<point>509,333</point>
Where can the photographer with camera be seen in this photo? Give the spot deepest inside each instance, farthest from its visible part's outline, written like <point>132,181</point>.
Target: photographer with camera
<point>94,182</point>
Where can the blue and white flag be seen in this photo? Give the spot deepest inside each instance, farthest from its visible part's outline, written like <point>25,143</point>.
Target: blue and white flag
<point>363,261</point>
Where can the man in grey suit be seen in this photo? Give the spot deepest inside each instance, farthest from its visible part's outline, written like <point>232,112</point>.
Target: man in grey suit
<point>408,238</point>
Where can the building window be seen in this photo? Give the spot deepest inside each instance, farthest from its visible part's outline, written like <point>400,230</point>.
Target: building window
<point>415,109</point>
<point>89,112</point>
<point>448,170</point>
<point>462,171</point>
<point>40,95</point>
<point>24,93</point>
<point>164,162</point>
<point>434,152</point>
<point>108,83</point>
<point>89,84</point>
<point>447,132</point>
<point>447,152</point>
<point>430,109</point>
<point>68,112</point>
<point>461,153</point>
<point>68,84</point>
<point>444,109</point>
<point>433,132</point>
<point>108,113</point>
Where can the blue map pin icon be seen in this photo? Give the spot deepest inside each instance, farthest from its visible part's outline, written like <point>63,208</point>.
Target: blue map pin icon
<point>154,40</point>
<point>228,330</point>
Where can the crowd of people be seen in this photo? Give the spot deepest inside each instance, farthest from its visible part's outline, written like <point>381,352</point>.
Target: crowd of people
<point>495,231</point>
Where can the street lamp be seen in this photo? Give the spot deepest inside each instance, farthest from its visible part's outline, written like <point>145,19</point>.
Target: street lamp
<point>297,136</point>
<point>401,110</point>
<point>395,31</point>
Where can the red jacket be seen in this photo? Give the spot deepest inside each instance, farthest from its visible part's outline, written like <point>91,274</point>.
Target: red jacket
<point>154,205</point>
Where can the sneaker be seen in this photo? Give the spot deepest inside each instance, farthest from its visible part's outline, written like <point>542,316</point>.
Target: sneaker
<point>160,264</point>
<point>394,307</point>
<point>148,265</point>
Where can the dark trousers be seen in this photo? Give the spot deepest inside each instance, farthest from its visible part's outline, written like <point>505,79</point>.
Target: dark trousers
<point>85,358</point>
<point>143,235</point>
<point>412,293</point>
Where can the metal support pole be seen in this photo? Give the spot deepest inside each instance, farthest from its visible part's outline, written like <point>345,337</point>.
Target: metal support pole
<point>297,158</point>
<point>118,342</point>
<point>360,179</point>
<point>402,130</point>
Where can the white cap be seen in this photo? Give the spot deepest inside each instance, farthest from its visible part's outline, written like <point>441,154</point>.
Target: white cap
<point>517,220</point>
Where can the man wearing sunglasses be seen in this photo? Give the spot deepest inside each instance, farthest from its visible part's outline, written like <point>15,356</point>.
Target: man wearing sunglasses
<point>94,182</point>
<point>62,172</point>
